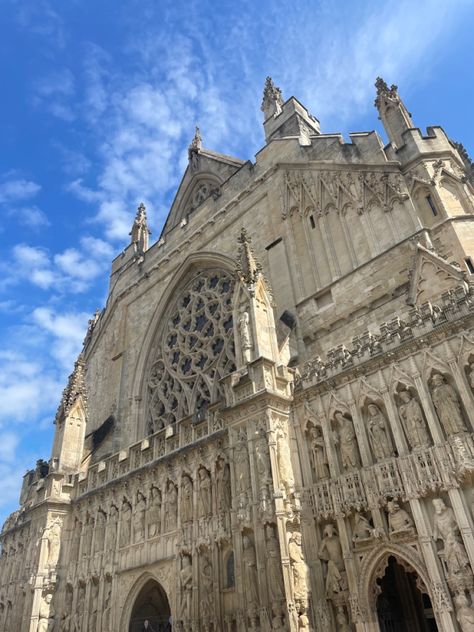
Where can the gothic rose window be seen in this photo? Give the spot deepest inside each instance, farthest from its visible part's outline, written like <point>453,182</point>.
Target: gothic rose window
<point>196,351</point>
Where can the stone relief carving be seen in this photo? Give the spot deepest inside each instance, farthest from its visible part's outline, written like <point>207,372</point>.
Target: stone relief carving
<point>464,613</point>
<point>186,499</point>
<point>99,536</point>
<point>250,575</point>
<point>345,438</point>
<point>330,551</point>
<point>186,587</point>
<point>125,523</point>
<point>446,529</point>
<point>93,604</point>
<point>274,573</point>
<point>341,620</point>
<point>205,493</point>
<point>206,586</point>
<point>318,453</point>
<point>378,433</point>
<point>299,569</point>
<point>139,518</point>
<point>46,615</point>
<point>111,532</point>
<point>242,467</point>
<point>285,468</point>
<point>413,420</point>
<point>363,529</point>
<point>448,407</point>
<point>399,521</point>
<point>171,506</point>
<point>245,336</point>
<point>52,535</point>
<point>153,517</point>
<point>223,485</point>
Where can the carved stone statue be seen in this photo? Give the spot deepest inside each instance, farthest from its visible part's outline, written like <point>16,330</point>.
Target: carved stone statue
<point>262,456</point>
<point>186,500</point>
<point>330,550</point>
<point>245,337</point>
<point>285,468</point>
<point>52,533</point>
<point>464,613</point>
<point>93,607</point>
<point>378,433</point>
<point>107,607</point>
<point>172,506</point>
<point>250,572</point>
<point>139,518</point>
<point>79,611</point>
<point>445,528</point>
<point>341,620</point>
<point>206,587</point>
<point>318,453</point>
<point>99,535</point>
<point>413,421</point>
<point>46,614</point>
<point>346,440</point>
<point>125,523</point>
<point>242,468</point>
<point>205,498</point>
<point>87,537</point>
<point>274,572</point>
<point>299,569</point>
<point>363,530</point>
<point>223,487</point>
<point>399,520</point>
<point>111,535</point>
<point>447,405</point>
<point>153,517</point>
<point>186,585</point>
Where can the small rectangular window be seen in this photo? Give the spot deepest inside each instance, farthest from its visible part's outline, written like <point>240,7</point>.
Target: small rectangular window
<point>470,265</point>
<point>311,221</point>
<point>433,208</point>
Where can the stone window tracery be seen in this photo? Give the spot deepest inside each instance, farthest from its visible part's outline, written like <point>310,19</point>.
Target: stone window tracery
<point>196,350</point>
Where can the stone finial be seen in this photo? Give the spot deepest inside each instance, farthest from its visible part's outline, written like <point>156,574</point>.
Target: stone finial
<point>76,387</point>
<point>248,267</point>
<point>272,99</point>
<point>140,230</point>
<point>196,144</point>
<point>383,91</point>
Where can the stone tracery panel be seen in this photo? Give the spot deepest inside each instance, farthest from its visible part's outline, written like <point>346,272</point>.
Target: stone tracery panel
<point>195,351</point>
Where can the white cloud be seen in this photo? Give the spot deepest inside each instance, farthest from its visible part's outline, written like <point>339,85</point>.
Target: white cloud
<point>17,189</point>
<point>66,330</point>
<point>54,92</point>
<point>31,216</point>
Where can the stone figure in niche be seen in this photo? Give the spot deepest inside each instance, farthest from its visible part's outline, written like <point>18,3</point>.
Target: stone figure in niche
<point>274,573</point>
<point>154,513</point>
<point>447,405</point>
<point>139,518</point>
<point>93,607</point>
<point>205,498</point>
<point>250,571</point>
<point>99,532</point>
<point>471,375</point>
<point>46,614</point>
<point>111,536</point>
<point>172,506</point>
<point>464,613</point>
<point>126,523</point>
<point>186,585</point>
<point>87,539</point>
<point>107,607</point>
<point>223,488</point>
<point>262,455</point>
<point>413,421</point>
<point>318,453</point>
<point>330,550</point>
<point>207,588</point>
<point>66,618</point>
<point>363,530</point>
<point>79,612</point>
<point>299,570</point>
<point>445,528</point>
<point>242,468</point>
<point>285,468</point>
<point>245,337</point>
<point>341,621</point>
<point>346,439</point>
<point>378,433</point>
<point>277,620</point>
<point>399,521</point>
<point>186,500</point>
<point>52,534</point>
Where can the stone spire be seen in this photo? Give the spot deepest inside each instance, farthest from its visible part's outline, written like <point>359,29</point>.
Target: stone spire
<point>75,388</point>
<point>248,267</point>
<point>140,230</point>
<point>272,100</point>
<point>395,118</point>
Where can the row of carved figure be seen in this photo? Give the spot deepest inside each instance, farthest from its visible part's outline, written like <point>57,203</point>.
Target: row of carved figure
<point>150,515</point>
<point>447,405</point>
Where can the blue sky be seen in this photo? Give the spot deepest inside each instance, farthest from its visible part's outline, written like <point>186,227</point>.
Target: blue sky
<point>99,100</point>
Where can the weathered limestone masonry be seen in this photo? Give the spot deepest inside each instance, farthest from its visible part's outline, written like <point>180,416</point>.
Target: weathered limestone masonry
<point>270,425</point>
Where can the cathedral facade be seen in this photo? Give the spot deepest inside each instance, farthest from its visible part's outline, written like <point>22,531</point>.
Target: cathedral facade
<point>270,425</point>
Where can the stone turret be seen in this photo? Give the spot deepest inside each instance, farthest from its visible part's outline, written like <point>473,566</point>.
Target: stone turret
<point>395,118</point>
<point>140,231</point>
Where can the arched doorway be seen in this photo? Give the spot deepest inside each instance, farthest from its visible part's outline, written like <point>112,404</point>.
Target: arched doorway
<point>401,606</point>
<point>151,611</point>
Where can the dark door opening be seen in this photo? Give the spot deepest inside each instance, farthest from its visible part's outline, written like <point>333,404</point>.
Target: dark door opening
<point>401,606</point>
<point>151,612</point>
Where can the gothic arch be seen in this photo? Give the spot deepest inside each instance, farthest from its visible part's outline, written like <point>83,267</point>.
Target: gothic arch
<point>373,567</point>
<point>194,263</point>
<point>158,579</point>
